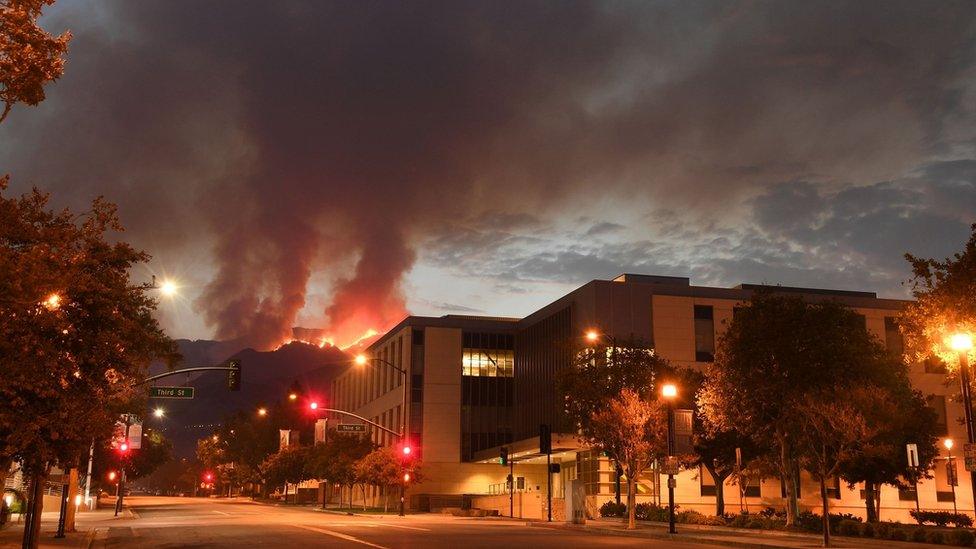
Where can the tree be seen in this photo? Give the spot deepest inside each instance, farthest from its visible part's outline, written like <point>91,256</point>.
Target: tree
<point>834,430</point>
<point>385,467</point>
<point>945,303</point>
<point>288,466</point>
<point>902,417</point>
<point>30,57</point>
<point>210,451</point>
<point>336,459</point>
<point>78,336</point>
<point>607,388</point>
<point>156,450</point>
<point>777,350</point>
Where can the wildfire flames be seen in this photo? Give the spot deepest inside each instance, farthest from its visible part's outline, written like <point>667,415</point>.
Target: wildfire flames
<point>330,341</point>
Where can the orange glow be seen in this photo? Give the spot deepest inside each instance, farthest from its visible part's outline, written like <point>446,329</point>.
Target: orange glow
<point>52,302</point>
<point>292,396</point>
<point>263,411</point>
<point>361,360</point>
<point>592,336</point>
<point>961,342</point>
<point>111,475</point>
<point>669,390</point>
<point>406,477</point>
<point>355,342</point>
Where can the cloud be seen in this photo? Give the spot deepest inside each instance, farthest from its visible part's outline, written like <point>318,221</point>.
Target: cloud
<point>301,141</point>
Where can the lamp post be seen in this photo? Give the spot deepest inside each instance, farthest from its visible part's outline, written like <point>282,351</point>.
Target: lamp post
<point>594,336</point>
<point>670,391</point>
<point>362,360</point>
<point>951,472</point>
<point>962,344</point>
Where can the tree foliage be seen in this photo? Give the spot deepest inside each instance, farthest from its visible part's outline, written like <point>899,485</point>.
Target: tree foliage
<point>78,335</point>
<point>945,303</point>
<point>30,57</point>
<point>776,352</point>
<point>611,397</point>
<point>287,465</point>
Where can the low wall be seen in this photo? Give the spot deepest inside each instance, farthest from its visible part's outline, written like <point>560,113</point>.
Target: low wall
<point>527,505</point>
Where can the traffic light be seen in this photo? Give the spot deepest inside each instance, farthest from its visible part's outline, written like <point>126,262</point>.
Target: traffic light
<point>124,447</point>
<point>545,439</point>
<point>407,451</point>
<point>503,455</point>
<point>208,477</point>
<point>234,375</point>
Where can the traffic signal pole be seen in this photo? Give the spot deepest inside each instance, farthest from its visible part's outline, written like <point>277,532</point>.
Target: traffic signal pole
<point>511,488</point>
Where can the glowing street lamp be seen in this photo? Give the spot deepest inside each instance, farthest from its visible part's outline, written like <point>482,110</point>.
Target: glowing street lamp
<point>670,391</point>
<point>159,412</point>
<point>962,343</point>
<point>168,288</point>
<point>361,360</point>
<point>592,336</point>
<point>52,302</point>
<point>262,412</point>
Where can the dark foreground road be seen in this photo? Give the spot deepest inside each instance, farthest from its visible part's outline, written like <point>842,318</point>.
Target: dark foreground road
<point>185,522</point>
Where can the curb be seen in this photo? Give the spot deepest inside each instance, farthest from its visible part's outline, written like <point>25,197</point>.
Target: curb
<point>659,536</point>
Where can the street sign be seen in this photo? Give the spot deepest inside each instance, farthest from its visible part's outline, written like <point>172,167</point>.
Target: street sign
<point>912,455</point>
<point>670,466</point>
<point>171,392</point>
<point>351,428</point>
<point>969,452</point>
<point>135,436</point>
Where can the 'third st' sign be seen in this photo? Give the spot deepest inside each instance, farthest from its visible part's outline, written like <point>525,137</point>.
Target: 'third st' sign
<point>351,428</point>
<point>171,392</point>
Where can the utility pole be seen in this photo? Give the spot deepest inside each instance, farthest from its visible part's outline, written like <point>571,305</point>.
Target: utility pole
<point>511,488</point>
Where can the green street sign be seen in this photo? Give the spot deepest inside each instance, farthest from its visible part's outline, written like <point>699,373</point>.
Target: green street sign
<point>351,428</point>
<point>171,392</point>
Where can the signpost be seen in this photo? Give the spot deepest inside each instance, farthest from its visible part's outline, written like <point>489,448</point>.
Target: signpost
<point>912,455</point>
<point>969,453</point>
<point>351,428</point>
<point>171,392</point>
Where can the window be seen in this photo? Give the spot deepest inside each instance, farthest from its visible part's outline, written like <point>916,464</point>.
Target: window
<point>707,482</point>
<point>704,334</point>
<point>488,355</point>
<point>893,339</point>
<point>938,403</point>
<point>418,336</point>
<point>416,389</point>
<point>833,488</point>
<point>907,494</point>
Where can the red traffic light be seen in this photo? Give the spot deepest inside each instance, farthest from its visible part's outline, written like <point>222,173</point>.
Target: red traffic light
<point>124,447</point>
<point>313,405</point>
<point>407,450</point>
<point>208,477</point>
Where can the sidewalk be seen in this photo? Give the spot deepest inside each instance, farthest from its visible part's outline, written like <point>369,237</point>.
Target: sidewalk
<point>13,532</point>
<point>730,537</point>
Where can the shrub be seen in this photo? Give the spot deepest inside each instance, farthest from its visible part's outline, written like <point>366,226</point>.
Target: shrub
<point>770,512</point>
<point>848,528</point>
<point>941,518</point>
<point>810,522</point>
<point>918,534</point>
<point>881,530</point>
<point>962,538</point>
<point>897,534</point>
<point>935,537</point>
<point>755,524</point>
<point>613,509</point>
<point>741,520</point>
<point>694,517</point>
<point>866,530</point>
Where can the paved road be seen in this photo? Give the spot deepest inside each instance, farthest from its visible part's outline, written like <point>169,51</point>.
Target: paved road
<point>190,522</point>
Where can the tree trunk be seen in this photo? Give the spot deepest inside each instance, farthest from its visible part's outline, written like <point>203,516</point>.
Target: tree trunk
<point>719,497</point>
<point>4,472</point>
<point>869,502</point>
<point>69,520</point>
<point>363,488</point>
<point>32,531</point>
<point>826,511</point>
<point>786,465</point>
<point>631,503</point>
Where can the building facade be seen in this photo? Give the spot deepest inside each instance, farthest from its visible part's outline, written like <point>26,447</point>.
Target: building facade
<point>476,384</point>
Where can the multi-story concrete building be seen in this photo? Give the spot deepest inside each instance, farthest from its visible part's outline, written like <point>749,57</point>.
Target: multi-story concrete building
<point>477,383</point>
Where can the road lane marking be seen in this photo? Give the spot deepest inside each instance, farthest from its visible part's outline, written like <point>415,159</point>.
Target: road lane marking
<point>222,513</point>
<point>338,535</point>
<point>417,528</point>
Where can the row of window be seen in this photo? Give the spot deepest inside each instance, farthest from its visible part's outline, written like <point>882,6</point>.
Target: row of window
<point>488,362</point>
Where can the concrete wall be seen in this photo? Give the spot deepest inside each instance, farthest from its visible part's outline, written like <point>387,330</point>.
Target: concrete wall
<point>442,395</point>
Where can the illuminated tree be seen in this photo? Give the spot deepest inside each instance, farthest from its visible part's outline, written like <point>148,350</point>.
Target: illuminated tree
<point>945,303</point>
<point>385,467</point>
<point>30,57</point>
<point>78,336</point>
<point>777,350</point>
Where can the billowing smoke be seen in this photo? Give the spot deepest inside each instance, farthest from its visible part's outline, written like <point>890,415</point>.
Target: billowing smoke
<point>336,136</point>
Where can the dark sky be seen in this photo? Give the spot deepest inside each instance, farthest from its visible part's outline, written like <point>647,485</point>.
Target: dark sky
<point>338,163</point>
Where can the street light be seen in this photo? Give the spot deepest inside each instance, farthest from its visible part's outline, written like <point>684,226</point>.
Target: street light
<point>951,471</point>
<point>363,360</point>
<point>168,288</point>
<point>670,391</point>
<point>159,412</point>
<point>962,343</point>
<point>52,302</point>
<point>262,412</point>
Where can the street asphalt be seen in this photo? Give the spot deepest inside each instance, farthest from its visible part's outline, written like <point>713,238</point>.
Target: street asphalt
<point>197,522</point>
